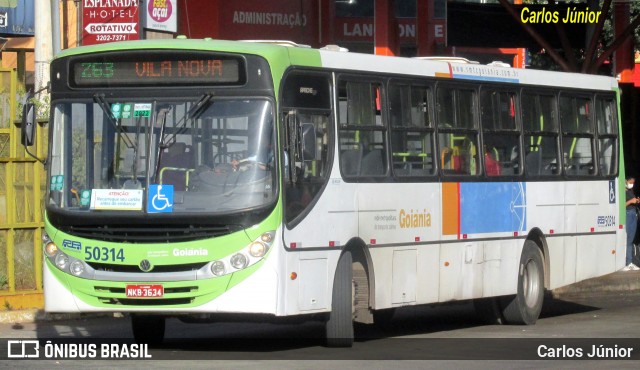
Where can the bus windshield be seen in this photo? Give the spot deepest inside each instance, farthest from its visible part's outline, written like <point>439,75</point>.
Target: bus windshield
<point>210,155</point>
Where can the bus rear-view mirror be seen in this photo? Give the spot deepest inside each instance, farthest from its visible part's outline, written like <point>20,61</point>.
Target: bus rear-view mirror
<point>308,142</point>
<point>28,127</point>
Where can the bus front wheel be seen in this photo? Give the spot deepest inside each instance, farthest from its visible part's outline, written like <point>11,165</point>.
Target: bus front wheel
<point>148,328</point>
<point>339,327</point>
<point>525,306</point>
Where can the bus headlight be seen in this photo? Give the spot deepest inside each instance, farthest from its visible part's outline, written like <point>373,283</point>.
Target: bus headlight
<point>62,260</point>
<point>77,267</point>
<point>257,249</point>
<point>217,268</point>
<point>267,237</point>
<point>239,261</point>
<point>248,256</point>
<point>51,249</point>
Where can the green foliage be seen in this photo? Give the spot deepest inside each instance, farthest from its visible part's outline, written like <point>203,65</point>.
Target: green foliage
<point>541,60</point>
<point>4,282</point>
<point>42,103</point>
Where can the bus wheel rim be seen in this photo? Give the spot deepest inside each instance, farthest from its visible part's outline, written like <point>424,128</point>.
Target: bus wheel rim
<point>531,283</point>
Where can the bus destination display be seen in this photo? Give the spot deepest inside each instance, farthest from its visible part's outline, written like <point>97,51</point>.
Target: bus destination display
<point>166,71</point>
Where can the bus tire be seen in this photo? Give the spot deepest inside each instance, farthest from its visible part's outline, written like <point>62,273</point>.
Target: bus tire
<point>148,328</point>
<point>339,326</point>
<point>525,306</point>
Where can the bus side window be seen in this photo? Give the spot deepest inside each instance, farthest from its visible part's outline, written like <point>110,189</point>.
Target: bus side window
<point>362,136</point>
<point>412,129</point>
<point>540,133</point>
<point>458,104</point>
<point>501,136</point>
<point>577,132</point>
<point>607,134</point>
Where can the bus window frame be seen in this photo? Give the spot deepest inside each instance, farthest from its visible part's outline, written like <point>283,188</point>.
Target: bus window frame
<point>568,135</point>
<point>615,135</point>
<point>476,129</point>
<point>431,128</point>
<point>372,79</point>
<point>549,92</point>
<point>517,131</point>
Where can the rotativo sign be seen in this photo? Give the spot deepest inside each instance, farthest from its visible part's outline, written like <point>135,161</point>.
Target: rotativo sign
<point>109,20</point>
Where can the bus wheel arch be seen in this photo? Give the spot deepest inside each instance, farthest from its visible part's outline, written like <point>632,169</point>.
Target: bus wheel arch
<point>363,278</point>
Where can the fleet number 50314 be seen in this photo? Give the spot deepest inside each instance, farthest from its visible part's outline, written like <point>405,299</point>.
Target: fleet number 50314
<point>103,254</point>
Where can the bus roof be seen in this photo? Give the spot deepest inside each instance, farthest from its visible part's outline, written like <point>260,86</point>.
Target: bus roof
<point>357,62</point>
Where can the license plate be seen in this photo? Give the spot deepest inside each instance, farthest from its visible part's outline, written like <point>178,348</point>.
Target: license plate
<point>144,291</point>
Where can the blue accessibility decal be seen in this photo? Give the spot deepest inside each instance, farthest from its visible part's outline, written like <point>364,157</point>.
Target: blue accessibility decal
<point>160,199</point>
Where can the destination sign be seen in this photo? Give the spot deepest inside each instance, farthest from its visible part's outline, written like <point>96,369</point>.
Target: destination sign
<point>174,70</point>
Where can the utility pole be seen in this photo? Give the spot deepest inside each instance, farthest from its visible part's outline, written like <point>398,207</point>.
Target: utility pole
<point>43,54</point>
<point>55,25</point>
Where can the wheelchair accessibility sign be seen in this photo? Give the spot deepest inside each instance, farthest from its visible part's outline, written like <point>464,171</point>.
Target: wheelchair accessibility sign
<point>160,198</point>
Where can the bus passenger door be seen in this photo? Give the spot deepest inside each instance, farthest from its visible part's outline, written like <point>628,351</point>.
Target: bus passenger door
<point>307,143</point>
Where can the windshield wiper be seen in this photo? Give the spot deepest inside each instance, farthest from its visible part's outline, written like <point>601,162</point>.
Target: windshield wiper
<point>161,117</point>
<point>194,112</point>
<point>180,127</point>
<point>200,106</point>
<point>99,99</point>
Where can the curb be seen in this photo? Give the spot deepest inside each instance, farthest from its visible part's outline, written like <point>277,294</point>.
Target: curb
<point>617,282</point>
<point>38,315</point>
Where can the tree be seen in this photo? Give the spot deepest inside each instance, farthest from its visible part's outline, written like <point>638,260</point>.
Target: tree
<point>593,56</point>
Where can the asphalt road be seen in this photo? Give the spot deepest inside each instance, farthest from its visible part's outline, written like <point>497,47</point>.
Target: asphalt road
<point>446,336</point>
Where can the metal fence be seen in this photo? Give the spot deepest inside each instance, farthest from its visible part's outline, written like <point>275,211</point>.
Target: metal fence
<point>22,185</point>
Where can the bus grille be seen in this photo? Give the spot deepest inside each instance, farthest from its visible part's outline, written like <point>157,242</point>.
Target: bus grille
<point>135,268</point>
<point>148,234</point>
<point>146,302</point>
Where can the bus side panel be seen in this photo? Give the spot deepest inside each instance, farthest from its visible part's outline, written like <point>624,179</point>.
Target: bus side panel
<point>595,256</point>
<point>383,269</point>
<point>310,290</point>
<point>570,228</point>
<point>545,211</point>
<point>428,274</point>
<point>461,276</point>
<point>399,222</point>
<point>621,248</point>
<point>555,245</point>
<point>595,214</point>
<point>501,261</point>
<point>331,223</point>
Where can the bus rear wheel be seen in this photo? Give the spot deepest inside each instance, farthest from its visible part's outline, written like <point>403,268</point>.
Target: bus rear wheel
<point>148,328</point>
<point>525,306</point>
<point>339,327</point>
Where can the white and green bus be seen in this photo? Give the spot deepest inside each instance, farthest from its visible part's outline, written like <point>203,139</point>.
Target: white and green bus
<point>201,178</point>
